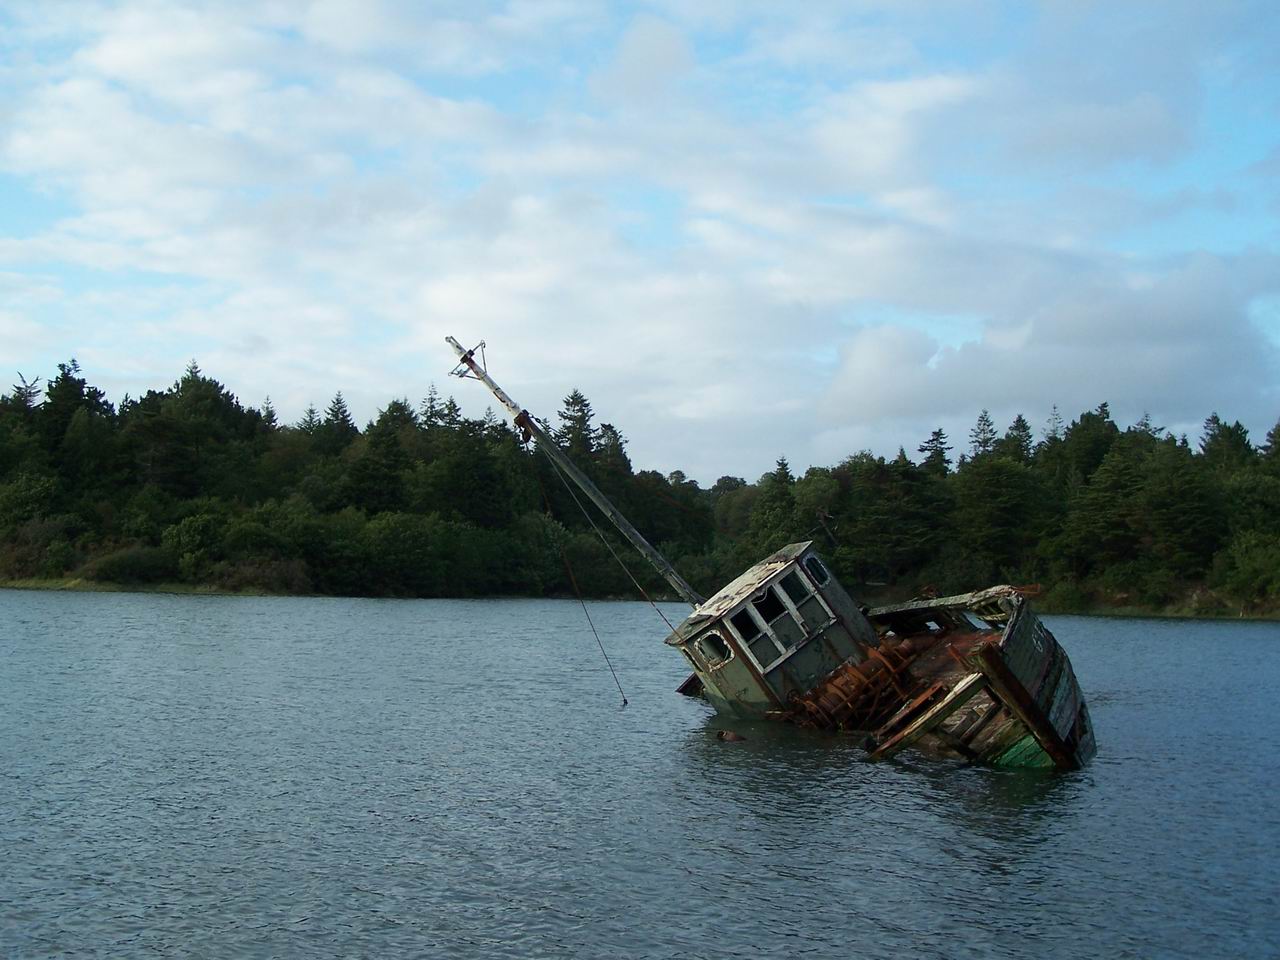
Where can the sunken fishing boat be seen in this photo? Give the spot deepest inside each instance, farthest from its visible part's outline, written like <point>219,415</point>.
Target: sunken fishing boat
<point>975,677</point>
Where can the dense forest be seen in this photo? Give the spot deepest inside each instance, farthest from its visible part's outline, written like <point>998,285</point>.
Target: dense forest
<point>189,486</point>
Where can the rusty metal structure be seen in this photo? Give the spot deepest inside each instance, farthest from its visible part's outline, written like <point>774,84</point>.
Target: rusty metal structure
<point>975,677</point>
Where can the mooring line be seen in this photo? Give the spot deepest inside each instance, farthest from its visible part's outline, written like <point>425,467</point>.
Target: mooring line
<point>608,546</point>
<point>573,582</point>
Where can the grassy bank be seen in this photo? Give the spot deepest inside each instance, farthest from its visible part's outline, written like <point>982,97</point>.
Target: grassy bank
<point>80,584</point>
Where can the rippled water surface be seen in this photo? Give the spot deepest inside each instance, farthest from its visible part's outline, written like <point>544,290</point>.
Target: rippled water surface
<point>188,776</point>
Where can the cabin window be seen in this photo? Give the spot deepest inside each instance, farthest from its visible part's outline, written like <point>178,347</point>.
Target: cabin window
<point>746,625</point>
<point>795,587</point>
<point>768,605</point>
<point>817,570</point>
<point>715,649</point>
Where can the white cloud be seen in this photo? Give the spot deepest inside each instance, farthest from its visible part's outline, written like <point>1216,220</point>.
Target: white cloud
<point>868,133</point>
<point>652,59</point>
<point>676,212</point>
<point>1143,348</point>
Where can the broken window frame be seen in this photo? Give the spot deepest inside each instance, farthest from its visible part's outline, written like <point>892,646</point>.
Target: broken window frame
<point>714,660</point>
<point>791,608</point>
<point>812,560</point>
<point>795,574</point>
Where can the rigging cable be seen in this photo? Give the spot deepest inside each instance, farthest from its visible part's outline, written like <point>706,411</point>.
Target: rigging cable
<point>573,582</point>
<point>608,545</point>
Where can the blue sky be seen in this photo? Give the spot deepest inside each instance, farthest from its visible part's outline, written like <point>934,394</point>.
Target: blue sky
<point>742,231</point>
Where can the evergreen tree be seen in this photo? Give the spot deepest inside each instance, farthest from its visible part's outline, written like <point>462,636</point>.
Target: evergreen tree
<point>310,421</point>
<point>982,438</point>
<point>1104,525</point>
<point>914,513</point>
<point>185,481</point>
<point>773,514</point>
<point>1271,449</point>
<point>64,395</point>
<point>25,397</point>
<point>338,429</point>
<point>936,462</point>
<point>450,414</point>
<point>398,415</point>
<point>88,449</point>
<point>996,516</point>
<point>725,485</point>
<point>1088,439</point>
<point>429,410</point>
<point>1053,426</point>
<point>1225,447</point>
<point>376,481</point>
<point>1145,426</point>
<point>816,495</point>
<point>611,450</point>
<point>1181,518</point>
<point>575,433</point>
<point>1016,444</point>
<point>612,467</point>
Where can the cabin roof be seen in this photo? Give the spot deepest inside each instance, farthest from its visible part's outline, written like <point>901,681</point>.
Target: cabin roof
<point>735,592</point>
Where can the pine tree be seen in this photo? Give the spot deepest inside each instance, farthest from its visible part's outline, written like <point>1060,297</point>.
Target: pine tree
<point>1053,426</point>
<point>612,465</point>
<point>936,462</point>
<point>982,438</point>
<point>64,395</point>
<point>310,421</point>
<point>429,410</point>
<point>25,396</point>
<point>338,429</point>
<point>1225,446</point>
<point>1271,449</point>
<point>575,433</point>
<point>1088,439</point>
<point>338,415</point>
<point>1016,443</point>
<point>398,414</point>
<point>269,418</point>
<point>1145,426</point>
<point>375,481</point>
<point>1181,516</point>
<point>1104,524</point>
<point>996,507</point>
<point>450,414</point>
<point>773,514</point>
<point>611,452</point>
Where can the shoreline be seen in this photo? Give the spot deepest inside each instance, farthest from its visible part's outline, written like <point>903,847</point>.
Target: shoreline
<point>82,585</point>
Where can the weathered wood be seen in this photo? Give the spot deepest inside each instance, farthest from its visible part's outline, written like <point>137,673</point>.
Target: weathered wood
<point>956,698</point>
<point>1009,689</point>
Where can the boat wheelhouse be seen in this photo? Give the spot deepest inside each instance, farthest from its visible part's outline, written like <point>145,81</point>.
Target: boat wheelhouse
<point>772,634</point>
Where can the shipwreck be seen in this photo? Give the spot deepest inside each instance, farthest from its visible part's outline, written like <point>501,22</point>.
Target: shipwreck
<point>975,677</point>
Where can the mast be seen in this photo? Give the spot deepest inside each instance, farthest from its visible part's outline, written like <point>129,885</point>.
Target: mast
<point>526,423</point>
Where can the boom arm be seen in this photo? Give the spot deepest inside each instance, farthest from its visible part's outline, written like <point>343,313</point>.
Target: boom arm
<point>552,449</point>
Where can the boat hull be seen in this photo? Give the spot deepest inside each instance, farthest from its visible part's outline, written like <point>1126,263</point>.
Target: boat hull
<point>999,691</point>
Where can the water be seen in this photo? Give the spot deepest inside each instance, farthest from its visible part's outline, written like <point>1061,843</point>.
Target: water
<point>186,776</point>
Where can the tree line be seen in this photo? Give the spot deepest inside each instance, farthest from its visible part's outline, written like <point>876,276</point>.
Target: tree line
<point>188,485</point>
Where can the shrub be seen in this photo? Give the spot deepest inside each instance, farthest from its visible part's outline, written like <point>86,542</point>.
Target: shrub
<point>269,576</point>
<point>1065,596</point>
<point>1249,569</point>
<point>135,564</point>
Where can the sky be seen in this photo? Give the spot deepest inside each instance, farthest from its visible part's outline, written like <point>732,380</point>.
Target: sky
<point>743,231</point>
